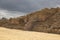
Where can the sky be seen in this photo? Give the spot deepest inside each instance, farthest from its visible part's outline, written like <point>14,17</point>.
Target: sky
<point>13,8</point>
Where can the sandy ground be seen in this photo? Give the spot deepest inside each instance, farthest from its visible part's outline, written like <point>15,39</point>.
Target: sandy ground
<point>11,34</point>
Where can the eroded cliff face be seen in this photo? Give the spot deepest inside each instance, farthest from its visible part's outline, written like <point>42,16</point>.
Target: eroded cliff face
<point>46,20</point>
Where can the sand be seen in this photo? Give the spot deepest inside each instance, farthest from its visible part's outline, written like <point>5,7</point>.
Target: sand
<point>12,34</point>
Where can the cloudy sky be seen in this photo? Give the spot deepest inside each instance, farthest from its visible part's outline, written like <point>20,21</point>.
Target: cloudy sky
<point>10,8</point>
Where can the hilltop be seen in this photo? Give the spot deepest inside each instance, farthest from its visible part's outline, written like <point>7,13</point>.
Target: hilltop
<point>45,20</point>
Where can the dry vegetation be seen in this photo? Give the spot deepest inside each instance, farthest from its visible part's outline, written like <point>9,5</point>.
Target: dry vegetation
<point>11,34</point>
<point>46,20</point>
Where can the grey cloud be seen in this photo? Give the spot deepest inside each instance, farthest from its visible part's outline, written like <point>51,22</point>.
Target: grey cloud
<point>27,5</point>
<point>8,14</point>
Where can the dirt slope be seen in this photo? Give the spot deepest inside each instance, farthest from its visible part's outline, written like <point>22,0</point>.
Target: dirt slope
<point>11,34</point>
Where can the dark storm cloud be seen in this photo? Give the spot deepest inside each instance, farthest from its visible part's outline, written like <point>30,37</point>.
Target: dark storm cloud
<point>13,8</point>
<point>16,5</point>
<point>27,5</point>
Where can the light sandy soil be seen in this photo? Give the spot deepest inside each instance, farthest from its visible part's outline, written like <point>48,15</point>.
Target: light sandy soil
<point>11,34</point>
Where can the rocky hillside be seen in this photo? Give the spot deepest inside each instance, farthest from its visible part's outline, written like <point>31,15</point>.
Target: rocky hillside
<point>45,20</point>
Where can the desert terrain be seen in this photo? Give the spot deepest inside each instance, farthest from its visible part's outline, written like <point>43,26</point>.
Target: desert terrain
<point>12,34</point>
<point>45,20</point>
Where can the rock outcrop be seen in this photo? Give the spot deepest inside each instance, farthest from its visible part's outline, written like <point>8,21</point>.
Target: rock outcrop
<point>46,20</point>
